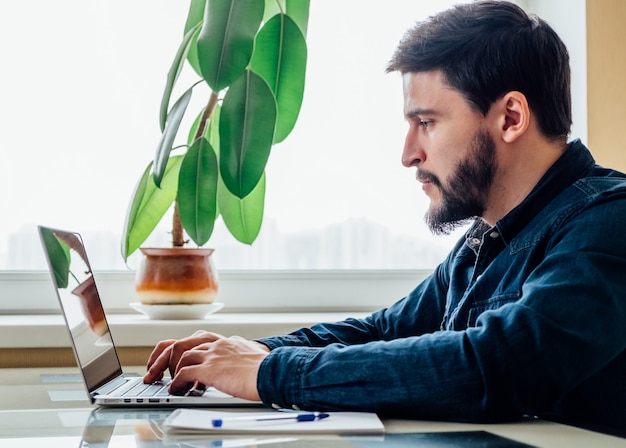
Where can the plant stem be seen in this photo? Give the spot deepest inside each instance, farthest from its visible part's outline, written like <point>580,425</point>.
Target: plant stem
<point>206,114</point>
<point>178,237</point>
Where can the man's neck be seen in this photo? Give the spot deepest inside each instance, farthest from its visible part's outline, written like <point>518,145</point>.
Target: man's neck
<point>520,167</point>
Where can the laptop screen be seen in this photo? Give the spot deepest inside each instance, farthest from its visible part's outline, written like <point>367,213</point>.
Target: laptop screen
<point>81,305</point>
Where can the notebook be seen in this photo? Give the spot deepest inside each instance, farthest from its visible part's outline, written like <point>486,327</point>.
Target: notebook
<point>195,421</point>
<point>92,342</point>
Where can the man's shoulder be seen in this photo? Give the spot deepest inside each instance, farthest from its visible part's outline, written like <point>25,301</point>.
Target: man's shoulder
<point>598,196</point>
<point>602,182</point>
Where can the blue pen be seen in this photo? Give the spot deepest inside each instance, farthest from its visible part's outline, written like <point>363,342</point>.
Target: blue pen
<point>299,417</point>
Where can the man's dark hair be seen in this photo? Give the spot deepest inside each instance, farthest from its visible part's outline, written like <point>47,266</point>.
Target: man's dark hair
<point>486,49</point>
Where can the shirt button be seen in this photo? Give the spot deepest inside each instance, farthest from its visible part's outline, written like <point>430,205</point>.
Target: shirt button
<point>475,241</point>
<point>494,234</point>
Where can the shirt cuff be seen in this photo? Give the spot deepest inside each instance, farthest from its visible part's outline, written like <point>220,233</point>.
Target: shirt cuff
<point>279,380</point>
<point>279,341</point>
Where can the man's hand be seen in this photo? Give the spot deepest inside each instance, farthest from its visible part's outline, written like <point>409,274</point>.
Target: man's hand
<point>167,353</point>
<point>230,365</point>
<point>209,359</point>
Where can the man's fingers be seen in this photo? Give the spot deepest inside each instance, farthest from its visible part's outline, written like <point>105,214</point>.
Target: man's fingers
<point>168,353</point>
<point>207,336</point>
<point>185,380</point>
<point>158,361</point>
<point>189,369</point>
<point>158,349</point>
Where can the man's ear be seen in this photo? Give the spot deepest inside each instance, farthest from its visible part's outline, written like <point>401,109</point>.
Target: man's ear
<point>516,116</point>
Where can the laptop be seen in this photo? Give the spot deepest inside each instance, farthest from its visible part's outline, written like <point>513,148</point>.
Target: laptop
<point>91,337</point>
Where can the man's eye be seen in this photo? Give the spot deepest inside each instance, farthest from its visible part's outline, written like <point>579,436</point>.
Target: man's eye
<point>425,123</point>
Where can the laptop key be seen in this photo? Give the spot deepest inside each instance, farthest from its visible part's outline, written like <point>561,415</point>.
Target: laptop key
<point>163,392</point>
<point>152,390</point>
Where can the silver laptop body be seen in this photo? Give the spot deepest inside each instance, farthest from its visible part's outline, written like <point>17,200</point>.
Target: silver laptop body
<point>91,338</point>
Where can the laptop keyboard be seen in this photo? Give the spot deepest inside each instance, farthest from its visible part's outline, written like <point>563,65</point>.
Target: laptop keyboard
<point>158,389</point>
<point>135,387</point>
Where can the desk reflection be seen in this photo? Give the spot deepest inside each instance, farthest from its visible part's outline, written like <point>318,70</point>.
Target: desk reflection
<point>110,428</point>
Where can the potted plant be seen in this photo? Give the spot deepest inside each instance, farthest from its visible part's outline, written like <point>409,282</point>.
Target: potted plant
<point>251,54</point>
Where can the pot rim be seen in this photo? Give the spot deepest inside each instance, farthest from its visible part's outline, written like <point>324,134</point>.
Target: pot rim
<point>165,251</point>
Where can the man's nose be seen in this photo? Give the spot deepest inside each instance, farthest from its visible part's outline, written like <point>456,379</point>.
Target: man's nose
<point>413,153</point>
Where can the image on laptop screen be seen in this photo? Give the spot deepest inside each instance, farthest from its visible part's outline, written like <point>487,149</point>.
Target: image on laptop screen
<point>73,278</point>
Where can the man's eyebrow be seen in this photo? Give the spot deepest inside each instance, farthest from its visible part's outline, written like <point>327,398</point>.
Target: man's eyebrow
<point>419,111</point>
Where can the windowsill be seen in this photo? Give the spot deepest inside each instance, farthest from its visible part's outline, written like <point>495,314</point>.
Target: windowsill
<point>258,304</point>
<point>134,330</point>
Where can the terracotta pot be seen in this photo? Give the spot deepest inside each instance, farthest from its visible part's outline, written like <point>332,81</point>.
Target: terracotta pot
<point>174,276</point>
<point>90,304</point>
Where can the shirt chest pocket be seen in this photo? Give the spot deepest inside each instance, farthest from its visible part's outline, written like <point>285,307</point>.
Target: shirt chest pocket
<point>493,303</point>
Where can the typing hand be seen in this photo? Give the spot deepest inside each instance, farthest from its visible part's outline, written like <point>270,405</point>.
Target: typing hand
<point>230,365</point>
<point>167,354</point>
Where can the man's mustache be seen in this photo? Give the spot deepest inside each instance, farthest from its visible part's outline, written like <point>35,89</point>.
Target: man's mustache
<point>426,176</point>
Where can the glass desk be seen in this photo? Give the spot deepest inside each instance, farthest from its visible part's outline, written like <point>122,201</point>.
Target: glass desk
<point>48,407</point>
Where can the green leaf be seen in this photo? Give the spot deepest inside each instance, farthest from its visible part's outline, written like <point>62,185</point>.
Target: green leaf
<point>280,57</point>
<point>194,17</point>
<point>172,75</point>
<point>192,55</point>
<point>59,256</point>
<point>273,7</point>
<point>243,217</point>
<point>197,191</point>
<point>247,122</point>
<point>213,136</point>
<point>213,129</point>
<point>226,39</point>
<point>174,119</point>
<point>191,135</point>
<point>298,10</point>
<point>195,14</point>
<point>148,205</point>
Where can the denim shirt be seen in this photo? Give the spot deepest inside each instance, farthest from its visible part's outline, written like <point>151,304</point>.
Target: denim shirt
<point>524,318</point>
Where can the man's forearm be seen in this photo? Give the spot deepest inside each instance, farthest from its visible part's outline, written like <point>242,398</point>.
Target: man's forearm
<point>350,331</point>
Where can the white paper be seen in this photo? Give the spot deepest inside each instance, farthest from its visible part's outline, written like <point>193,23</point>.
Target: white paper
<point>195,420</point>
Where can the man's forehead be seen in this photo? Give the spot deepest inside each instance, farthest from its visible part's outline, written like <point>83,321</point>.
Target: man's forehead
<point>425,74</point>
<point>424,82</point>
<point>427,91</point>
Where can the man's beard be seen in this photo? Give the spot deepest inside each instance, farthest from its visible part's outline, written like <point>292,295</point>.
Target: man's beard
<point>465,196</point>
